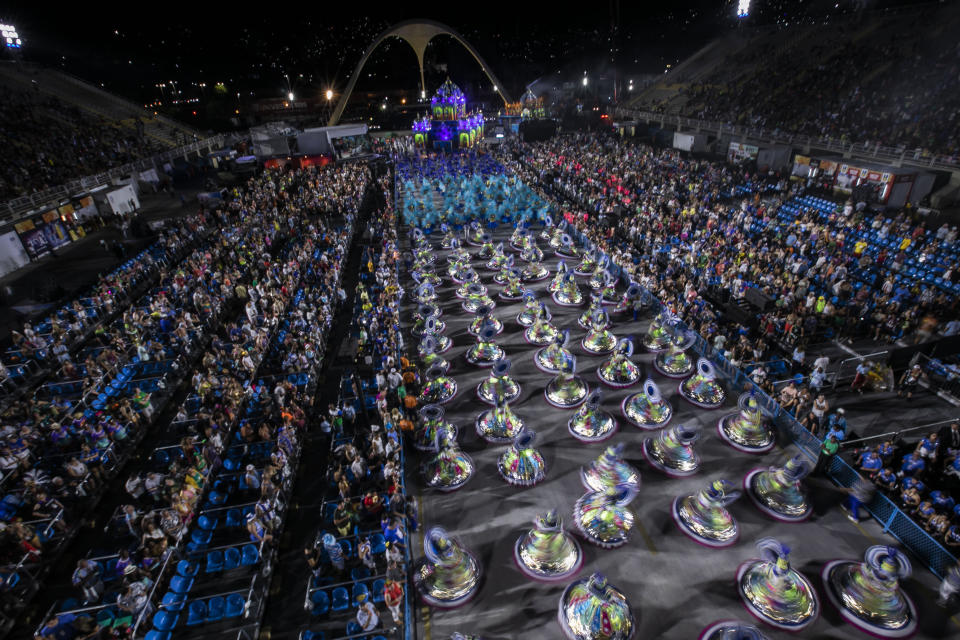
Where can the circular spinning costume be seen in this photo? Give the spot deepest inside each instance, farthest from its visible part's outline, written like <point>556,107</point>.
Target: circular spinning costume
<point>568,294</point>
<point>647,409</point>
<point>591,609</point>
<point>449,575</point>
<point>674,362</point>
<point>609,470</point>
<point>567,390</point>
<point>427,351</point>
<point>439,389</point>
<point>702,389</point>
<point>450,468</point>
<point>671,451</point>
<point>485,352</point>
<point>558,277</point>
<point>541,332</point>
<point>552,357</point>
<point>498,259</point>
<point>599,339</point>
<point>749,429</point>
<point>658,338</point>
<point>486,247</point>
<point>618,370</point>
<point>868,594</point>
<point>499,424</point>
<point>704,517</point>
<point>547,552</point>
<point>531,308</point>
<point>596,304</point>
<point>521,464</point>
<point>477,298</point>
<point>776,491</point>
<point>776,593</point>
<point>432,417</point>
<point>587,264</point>
<point>603,517</point>
<point>499,384</point>
<point>567,249</point>
<point>483,318</point>
<point>512,290</point>
<point>591,423</point>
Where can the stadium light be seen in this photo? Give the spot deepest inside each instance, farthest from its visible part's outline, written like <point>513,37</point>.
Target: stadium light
<point>743,8</point>
<point>494,88</point>
<point>584,80</point>
<point>329,94</point>
<point>11,39</point>
<point>290,96</point>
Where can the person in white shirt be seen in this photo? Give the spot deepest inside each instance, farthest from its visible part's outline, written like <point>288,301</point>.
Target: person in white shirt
<point>367,615</point>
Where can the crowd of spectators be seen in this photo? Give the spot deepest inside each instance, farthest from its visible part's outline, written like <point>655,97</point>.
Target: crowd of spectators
<point>686,229</point>
<point>49,142</point>
<point>891,82</point>
<point>242,321</point>
<point>363,546</point>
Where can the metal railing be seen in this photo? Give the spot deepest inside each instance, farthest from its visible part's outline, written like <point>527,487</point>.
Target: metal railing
<point>895,155</point>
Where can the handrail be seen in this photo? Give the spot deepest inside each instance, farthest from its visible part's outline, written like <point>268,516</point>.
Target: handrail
<point>899,432</point>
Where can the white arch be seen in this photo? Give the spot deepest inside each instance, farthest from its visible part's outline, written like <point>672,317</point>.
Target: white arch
<point>417,33</point>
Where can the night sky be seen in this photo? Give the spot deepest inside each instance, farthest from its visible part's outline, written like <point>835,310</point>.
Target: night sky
<point>317,46</point>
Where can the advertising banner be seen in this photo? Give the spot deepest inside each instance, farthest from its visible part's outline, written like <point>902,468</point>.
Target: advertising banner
<point>33,239</point>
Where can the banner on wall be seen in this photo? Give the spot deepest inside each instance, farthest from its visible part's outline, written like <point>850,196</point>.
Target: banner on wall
<point>740,152</point>
<point>54,229</point>
<point>33,239</point>
<point>85,209</point>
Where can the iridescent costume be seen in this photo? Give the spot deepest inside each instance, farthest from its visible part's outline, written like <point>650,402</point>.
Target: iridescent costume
<point>499,384</point>
<point>483,319</point>
<point>567,390</point>
<point>604,518</point>
<point>449,575</point>
<point>749,429</point>
<point>671,451</point>
<point>521,464</point>
<point>499,424</point>
<point>432,420</point>
<point>674,362</point>
<point>568,294</point>
<point>776,491</point>
<point>547,552</point>
<point>618,370</point>
<point>657,338</point>
<point>599,339</point>
<point>704,516</point>
<point>591,609</point>
<point>596,304</point>
<point>497,258</point>
<point>552,357</point>
<point>541,332</point>
<point>702,389</point>
<point>590,423</point>
<point>868,594</point>
<point>449,468</point>
<point>485,352</point>
<point>531,309</point>
<point>609,470</point>
<point>439,389</point>
<point>647,409</point>
<point>775,592</point>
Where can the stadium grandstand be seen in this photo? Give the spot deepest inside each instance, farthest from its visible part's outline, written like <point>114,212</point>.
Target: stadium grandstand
<point>668,347</point>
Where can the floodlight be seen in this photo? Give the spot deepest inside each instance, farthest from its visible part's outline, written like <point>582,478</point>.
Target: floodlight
<point>743,8</point>
<point>329,94</point>
<point>290,96</point>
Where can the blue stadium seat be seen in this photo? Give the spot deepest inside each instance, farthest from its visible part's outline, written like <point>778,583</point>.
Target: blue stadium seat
<point>249,555</point>
<point>153,634</point>
<point>215,608</point>
<point>236,603</point>
<point>173,601</point>
<point>377,590</point>
<point>179,584</point>
<point>321,603</point>
<point>231,558</point>
<point>197,613</point>
<point>164,621</point>
<point>187,569</point>
<point>214,562</point>
<point>340,600</point>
